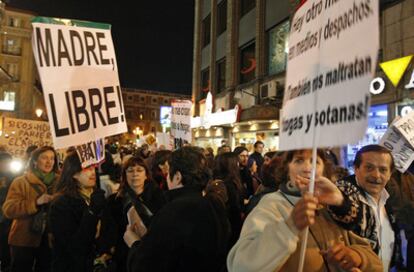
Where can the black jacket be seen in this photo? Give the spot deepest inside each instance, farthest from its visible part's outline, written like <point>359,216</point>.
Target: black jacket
<point>188,234</point>
<point>74,229</point>
<point>116,221</point>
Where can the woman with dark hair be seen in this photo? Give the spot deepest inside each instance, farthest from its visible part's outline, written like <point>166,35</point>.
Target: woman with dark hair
<point>138,197</point>
<point>227,169</point>
<point>29,195</point>
<point>160,168</point>
<point>270,239</point>
<point>75,217</point>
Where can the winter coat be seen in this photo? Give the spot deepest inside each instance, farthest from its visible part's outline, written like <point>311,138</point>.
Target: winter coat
<point>20,205</point>
<point>188,234</point>
<point>114,225</point>
<point>74,229</point>
<point>269,240</point>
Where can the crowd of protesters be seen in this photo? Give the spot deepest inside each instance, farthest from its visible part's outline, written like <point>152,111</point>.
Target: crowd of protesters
<point>192,210</point>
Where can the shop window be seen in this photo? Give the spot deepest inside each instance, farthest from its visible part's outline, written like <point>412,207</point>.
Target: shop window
<point>247,63</point>
<point>205,83</point>
<point>277,57</point>
<point>12,46</point>
<point>221,17</point>
<point>246,6</point>
<point>205,30</point>
<point>221,75</point>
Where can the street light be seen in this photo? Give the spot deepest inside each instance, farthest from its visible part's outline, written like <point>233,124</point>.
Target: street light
<point>39,112</point>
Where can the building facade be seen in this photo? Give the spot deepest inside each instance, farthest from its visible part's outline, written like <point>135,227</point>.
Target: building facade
<point>143,109</point>
<point>18,97</point>
<point>240,55</point>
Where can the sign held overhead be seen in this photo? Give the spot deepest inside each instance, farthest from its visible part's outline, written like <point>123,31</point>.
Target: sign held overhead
<point>79,76</point>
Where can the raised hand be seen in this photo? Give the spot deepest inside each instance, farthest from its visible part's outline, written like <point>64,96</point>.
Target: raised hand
<point>325,190</point>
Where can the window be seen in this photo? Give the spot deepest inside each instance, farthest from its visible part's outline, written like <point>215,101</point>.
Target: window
<point>130,97</point>
<point>142,98</point>
<point>154,100</point>
<point>247,63</point>
<point>278,48</point>
<point>12,46</point>
<point>154,115</point>
<point>205,83</point>
<point>141,115</point>
<point>221,17</point>
<point>221,75</point>
<point>13,70</point>
<point>166,102</point>
<point>206,31</point>
<point>8,102</point>
<point>246,6</point>
<point>14,22</point>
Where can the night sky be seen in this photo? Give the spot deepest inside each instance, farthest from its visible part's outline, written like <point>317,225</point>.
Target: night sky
<point>153,39</point>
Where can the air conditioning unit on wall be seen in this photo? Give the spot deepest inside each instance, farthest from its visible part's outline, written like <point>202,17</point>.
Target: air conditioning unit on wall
<point>268,90</point>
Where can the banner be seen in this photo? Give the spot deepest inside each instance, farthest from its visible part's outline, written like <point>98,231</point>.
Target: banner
<point>79,75</point>
<point>91,153</point>
<point>405,126</point>
<point>181,122</point>
<point>333,47</point>
<point>18,134</point>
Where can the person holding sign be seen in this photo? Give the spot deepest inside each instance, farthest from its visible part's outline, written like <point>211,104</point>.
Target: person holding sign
<point>138,200</point>
<point>27,204</point>
<point>270,239</point>
<point>75,217</point>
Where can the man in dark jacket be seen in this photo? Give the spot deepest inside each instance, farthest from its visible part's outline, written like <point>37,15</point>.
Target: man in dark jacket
<point>191,232</point>
<point>257,155</point>
<point>365,209</point>
<point>245,175</point>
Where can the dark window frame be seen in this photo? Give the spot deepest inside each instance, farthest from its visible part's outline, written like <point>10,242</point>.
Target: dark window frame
<point>246,6</point>
<point>206,31</point>
<point>221,17</point>
<point>221,69</point>
<point>245,78</point>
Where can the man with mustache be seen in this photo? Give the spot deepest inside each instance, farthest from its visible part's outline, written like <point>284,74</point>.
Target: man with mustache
<point>365,210</point>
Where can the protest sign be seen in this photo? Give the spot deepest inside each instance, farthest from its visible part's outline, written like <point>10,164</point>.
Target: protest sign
<point>18,134</point>
<point>79,75</point>
<point>405,126</point>
<point>91,153</point>
<point>181,122</point>
<point>333,47</point>
<point>401,150</point>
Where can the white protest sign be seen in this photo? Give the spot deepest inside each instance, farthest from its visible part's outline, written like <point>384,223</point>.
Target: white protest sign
<point>181,121</point>
<point>18,134</point>
<point>333,47</point>
<point>79,75</point>
<point>91,153</point>
<point>401,150</point>
<point>405,126</point>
